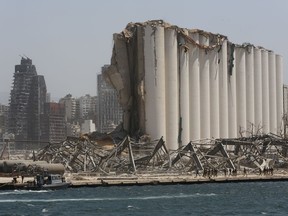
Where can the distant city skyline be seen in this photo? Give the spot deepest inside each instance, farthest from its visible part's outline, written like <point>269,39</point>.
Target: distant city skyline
<point>69,41</point>
<point>4,98</point>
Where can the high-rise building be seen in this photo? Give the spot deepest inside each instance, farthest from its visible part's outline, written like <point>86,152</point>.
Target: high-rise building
<point>70,107</point>
<point>77,112</point>
<point>36,106</point>
<point>53,125</point>
<point>3,119</point>
<point>86,106</point>
<point>48,97</point>
<point>27,99</point>
<point>109,112</point>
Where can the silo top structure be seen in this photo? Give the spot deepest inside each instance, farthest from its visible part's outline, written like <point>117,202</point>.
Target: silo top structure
<point>188,84</point>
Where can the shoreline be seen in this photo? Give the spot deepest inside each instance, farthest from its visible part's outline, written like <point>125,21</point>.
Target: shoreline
<point>170,180</point>
<point>78,181</point>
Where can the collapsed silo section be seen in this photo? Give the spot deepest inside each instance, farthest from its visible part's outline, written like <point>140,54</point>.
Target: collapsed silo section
<point>118,75</point>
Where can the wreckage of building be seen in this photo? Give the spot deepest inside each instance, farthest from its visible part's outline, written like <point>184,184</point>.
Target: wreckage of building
<point>191,100</point>
<point>186,85</point>
<point>117,153</point>
<point>97,154</point>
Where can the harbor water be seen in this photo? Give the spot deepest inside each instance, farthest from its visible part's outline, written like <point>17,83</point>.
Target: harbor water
<point>255,198</point>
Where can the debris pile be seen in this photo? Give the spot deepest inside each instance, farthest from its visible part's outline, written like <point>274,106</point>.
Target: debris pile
<point>254,153</point>
<point>87,154</point>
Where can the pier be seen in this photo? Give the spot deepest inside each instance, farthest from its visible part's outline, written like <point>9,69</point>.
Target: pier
<point>86,180</point>
<point>142,180</point>
<point>170,180</point>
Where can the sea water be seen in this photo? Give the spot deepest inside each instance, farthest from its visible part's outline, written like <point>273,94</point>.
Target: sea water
<point>267,198</point>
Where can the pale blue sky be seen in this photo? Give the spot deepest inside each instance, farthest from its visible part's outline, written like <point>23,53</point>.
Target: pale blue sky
<point>70,40</point>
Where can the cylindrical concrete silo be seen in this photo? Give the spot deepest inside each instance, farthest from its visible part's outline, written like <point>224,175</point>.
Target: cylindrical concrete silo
<point>232,111</point>
<point>140,68</point>
<point>172,83</point>
<point>272,93</point>
<point>154,58</point>
<point>265,92</point>
<point>184,92</point>
<point>194,86</point>
<point>204,89</point>
<point>241,90</point>
<point>257,90</point>
<point>214,93</point>
<point>279,91</point>
<point>223,91</point>
<point>249,60</point>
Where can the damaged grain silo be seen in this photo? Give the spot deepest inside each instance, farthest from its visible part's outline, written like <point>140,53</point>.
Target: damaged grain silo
<point>188,85</point>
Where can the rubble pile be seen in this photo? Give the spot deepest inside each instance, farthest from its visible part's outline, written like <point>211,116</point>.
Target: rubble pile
<point>255,152</point>
<point>104,155</point>
<point>87,154</point>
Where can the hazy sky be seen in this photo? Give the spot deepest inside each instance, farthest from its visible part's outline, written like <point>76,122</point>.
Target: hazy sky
<point>70,40</point>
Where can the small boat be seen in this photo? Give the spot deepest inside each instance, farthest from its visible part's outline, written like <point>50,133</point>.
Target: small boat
<point>48,182</point>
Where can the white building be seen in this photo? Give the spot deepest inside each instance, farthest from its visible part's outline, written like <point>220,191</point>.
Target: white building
<point>3,119</point>
<point>88,127</point>
<point>109,111</point>
<point>87,105</point>
<point>188,85</point>
<point>70,107</point>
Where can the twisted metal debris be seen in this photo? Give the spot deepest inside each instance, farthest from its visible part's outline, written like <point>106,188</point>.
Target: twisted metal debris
<point>102,155</point>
